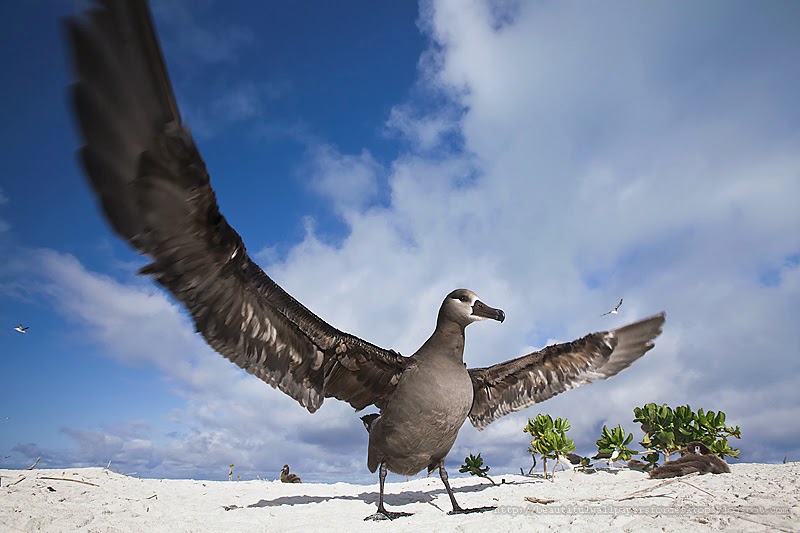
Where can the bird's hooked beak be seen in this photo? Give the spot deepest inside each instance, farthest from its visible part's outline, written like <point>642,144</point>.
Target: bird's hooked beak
<point>482,310</point>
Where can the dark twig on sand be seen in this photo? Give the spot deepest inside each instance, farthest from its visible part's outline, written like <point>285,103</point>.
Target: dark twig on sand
<point>772,527</point>
<point>539,500</point>
<point>698,488</point>
<point>67,479</point>
<point>648,489</point>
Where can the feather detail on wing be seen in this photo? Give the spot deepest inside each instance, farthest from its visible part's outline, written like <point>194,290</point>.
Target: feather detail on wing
<point>519,383</point>
<point>153,187</point>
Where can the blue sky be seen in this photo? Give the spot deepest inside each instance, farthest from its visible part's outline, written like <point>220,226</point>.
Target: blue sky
<point>553,157</point>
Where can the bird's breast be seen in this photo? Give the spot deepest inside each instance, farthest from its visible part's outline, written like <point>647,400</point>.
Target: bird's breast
<point>420,422</point>
<point>437,395</point>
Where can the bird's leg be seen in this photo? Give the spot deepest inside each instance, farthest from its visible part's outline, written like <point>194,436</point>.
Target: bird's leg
<point>382,513</point>
<point>457,508</point>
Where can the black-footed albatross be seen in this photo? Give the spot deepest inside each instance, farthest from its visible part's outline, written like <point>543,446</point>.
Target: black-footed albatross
<point>695,457</point>
<point>152,185</point>
<point>286,477</point>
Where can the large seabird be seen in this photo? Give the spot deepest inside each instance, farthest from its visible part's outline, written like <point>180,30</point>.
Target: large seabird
<point>695,457</point>
<point>152,185</point>
<point>22,329</point>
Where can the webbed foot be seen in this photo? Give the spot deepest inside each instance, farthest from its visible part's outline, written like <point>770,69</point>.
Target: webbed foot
<point>459,510</point>
<point>386,515</point>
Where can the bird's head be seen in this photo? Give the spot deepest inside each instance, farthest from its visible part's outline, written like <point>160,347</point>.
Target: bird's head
<point>463,307</point>
<point>698,448</point>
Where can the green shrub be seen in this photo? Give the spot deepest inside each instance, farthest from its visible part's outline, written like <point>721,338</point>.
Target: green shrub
<point>474,465</point>
<point>549,439</point>
<point>613,444</point>
<point>667,431</point>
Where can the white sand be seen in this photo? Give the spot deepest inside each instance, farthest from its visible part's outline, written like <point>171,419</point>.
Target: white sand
<point>754,497</point>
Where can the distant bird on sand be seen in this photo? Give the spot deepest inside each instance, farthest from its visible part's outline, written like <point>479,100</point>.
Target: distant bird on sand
<point>614,311</point>
<point>697,458</point>
<point>150,180</point>
<point>636,464</point>
<point>613,457</point>
<point>286,477</point>
<point>579,461</point>
<point>574,458</point>
<point>609,458</point>
<point>21,329</point>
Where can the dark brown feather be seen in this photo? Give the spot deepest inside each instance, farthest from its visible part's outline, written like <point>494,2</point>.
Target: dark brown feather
<point>513,385</point>
<point>154,189</point>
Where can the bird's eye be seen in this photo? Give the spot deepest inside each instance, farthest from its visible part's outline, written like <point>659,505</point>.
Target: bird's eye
<point>463,298</point>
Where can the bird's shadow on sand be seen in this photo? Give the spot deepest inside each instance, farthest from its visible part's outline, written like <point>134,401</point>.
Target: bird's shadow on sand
<point>390,499</point>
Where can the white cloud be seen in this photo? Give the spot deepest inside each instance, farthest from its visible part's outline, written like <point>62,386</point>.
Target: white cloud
<point>226,415</point>
<point>246,100</point>
<point>236,105</point>
<point>588,173</point>
<point>607,154</point>
<point>349,181</point>
<point>426,132</point>
<point>194,40</point>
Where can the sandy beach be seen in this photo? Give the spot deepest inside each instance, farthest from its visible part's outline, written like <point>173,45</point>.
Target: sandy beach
<point>753,497</point>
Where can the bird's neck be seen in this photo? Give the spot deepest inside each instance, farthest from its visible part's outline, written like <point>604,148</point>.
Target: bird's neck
<point>447,341</point>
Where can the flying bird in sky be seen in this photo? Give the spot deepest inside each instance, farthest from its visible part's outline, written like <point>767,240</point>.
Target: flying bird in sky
<point>615,310</point>
<point>152,184</point>
<point>22,329</point>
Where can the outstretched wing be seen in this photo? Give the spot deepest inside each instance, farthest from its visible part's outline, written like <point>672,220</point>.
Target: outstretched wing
<point>508,387</point>
<point>155,192</point>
